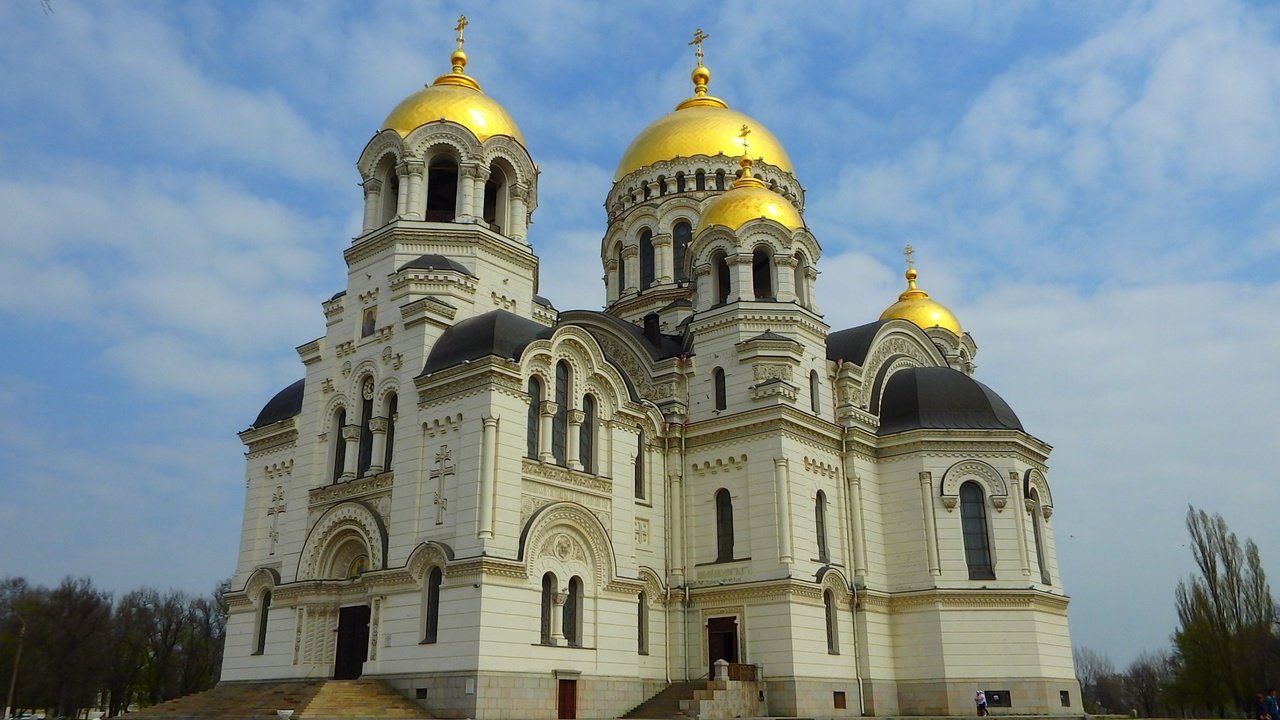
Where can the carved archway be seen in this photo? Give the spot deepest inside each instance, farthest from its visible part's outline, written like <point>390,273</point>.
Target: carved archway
<point>979,471</point>
<point>338,538</point>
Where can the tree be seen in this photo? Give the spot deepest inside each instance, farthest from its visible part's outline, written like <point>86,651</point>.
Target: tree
<point>1146,681</point>
<point>1101,688</point>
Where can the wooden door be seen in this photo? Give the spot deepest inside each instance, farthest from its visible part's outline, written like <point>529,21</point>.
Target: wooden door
<point>722,642</point>
<point>567,701</point>
<point>353,642</point>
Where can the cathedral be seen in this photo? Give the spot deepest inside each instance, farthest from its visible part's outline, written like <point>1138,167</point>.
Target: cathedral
<point>507,510</point>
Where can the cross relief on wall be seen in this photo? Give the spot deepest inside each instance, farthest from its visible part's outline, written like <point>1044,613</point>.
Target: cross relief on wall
<point>444,467</point>
<point>274,511</point>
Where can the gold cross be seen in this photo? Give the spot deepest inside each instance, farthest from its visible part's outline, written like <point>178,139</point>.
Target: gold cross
<point>743,134</point>
<point>698,37</point>
<point>910,252</point>
<point>462,24</point>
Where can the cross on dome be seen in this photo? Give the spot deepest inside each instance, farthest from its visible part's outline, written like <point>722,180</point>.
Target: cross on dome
<point>910,254</point>
<point>698,37</point>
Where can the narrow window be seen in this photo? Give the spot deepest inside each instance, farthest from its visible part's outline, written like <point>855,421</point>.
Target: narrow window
<point>390,190</point>
<point>724,526</point>
<point>813,391</point>
<point>339,444</point>
<point>681,235</point>
<point>442,189</point>
<point>495,200</point>
<point>646,258</point>
<point>639,466</point>
<point>801,281</point>
<point>662,185</point>
<point>587,435</point>
<point>720,272</point>
<point>365,458</point>
<point>548,605</point>
<point>977,545</point>
<point>531,433</point>
<point>433,605</point>
<point>820,522</point>
<point>264,606</point>
<point>1036,516</point>
<point>762,274</point>
<point>622,271</point>
<point>573,613</point>
<point>717,377</point>
<point>833,637</point>
<point>719,179</point>
<point>560,423</point>
<point>369,322</point>
<point>700,180</point>
<point>642,625</point>
<point>392,411</point>
<point>679,182</point>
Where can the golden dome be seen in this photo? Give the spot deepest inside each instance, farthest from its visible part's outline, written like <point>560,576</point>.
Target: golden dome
<point>455,97</point>
<point>701,125</point>
<point>915,305</point>
<point>749,199</point>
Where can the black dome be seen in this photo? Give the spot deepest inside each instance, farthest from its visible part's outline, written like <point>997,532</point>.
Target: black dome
<point>497,332</point>
<point>285,404</point>
<point>942,398</point>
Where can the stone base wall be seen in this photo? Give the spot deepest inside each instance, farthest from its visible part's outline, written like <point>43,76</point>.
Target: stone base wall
<point>520,696</point>
<point>812,698</point>
<point>1028,696</point>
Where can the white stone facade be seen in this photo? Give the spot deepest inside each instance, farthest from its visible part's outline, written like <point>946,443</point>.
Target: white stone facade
<point>401,516</point>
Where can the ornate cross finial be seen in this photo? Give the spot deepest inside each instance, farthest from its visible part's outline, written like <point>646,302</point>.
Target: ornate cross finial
<point>910,254</point>
<point>462,25</point>
<point>743,135</point>
<point>698,37</point>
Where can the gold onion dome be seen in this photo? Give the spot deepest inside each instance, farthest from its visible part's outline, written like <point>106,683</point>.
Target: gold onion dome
<point>749,199</point>
<point>701,125</point>
<point>915,305</point>
<point>456,97</point>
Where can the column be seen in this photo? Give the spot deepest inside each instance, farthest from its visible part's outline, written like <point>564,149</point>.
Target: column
<point>350,435</point>
<point>557,615</point>
<point>402,196</point>
<point>519,213</point>
<point>488,463</point>
<point>664,260</point>
<point>372,198</point>
<point>605,463</point>
<point>810,274</point>
<point>477,193</point>
<point>1021,507</point>
<point>631,254</point>
<point>741,287</point>
<point>782,489</point>
<point>930,531</point>
<point>855,522</point>
<point>378,426</point>
<point>414,170</point>
<point>571,439</point>
<point>786,278</point>
<point>611,280</point>
<point>546,413</point>
<point>467,186</point>
<point>702,288</point>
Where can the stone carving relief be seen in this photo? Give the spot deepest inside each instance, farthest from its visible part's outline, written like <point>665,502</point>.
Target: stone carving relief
<point>984,474</point>
<point>891,347</point>
<point>642,531</point>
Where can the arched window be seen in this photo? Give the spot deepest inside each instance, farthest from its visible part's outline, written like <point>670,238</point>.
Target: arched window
<point>560,423</point>
<point>366,431</point>
<point>813,392</point>
<point>339,443</point>
<point>721,397</point>
<point>833,636</point>
<point>646,258</point>
<point>442,189</point>
<point>260,639</point>
<point>700,180</point>
<point>820,523</point>
<point>977,544</point>
<point>548,605</point>
<point>679,182</point>
<point>622,269</point>
<point>762,274</point>
<point>392,405</point>
<point>1037,531</point>
<point>587,435</point>
<point>800,281</point>
<point>533,418</point>
<point>390,190</point>
<point>431,599</point>
<point>681,236</point>
<point>724,526</point>
<point>642,625</point>
<point>495,199</point>
<point>719,179</point>
<point>662,185</point>
<point>720,277</point>
<point>573,613</point>
<point>639,466</point>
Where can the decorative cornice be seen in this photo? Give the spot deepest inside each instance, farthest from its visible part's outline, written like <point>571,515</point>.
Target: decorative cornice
<point>350,490</point>
<point>564,477</point>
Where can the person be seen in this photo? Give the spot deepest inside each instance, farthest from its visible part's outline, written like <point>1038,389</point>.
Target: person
<point>1260,707</point>
<point>980,699</point>
<point>1273,705</point>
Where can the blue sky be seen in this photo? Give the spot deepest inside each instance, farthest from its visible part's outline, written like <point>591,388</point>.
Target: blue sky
<point>1090,186</point>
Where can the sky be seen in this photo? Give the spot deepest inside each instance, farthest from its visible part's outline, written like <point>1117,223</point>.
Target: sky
<point>1091,187</point>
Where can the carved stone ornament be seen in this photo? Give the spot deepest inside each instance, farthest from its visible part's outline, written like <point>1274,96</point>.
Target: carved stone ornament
<point>367,391</point>
<point>949,502</point>
<point>999,501</point>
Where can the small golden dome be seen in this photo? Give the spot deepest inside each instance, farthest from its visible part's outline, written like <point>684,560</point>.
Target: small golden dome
<point>456,97</point>
<point>749,199</point>
<point>915,305</point>
<point>700,125</point>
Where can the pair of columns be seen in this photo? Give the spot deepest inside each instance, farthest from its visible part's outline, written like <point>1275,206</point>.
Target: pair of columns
<point>351,436</point>
<point>411,196</point>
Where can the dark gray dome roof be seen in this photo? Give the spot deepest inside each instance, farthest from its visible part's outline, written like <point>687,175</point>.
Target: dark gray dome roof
<point>941,398</point>
<point>286,404</point>
<point>497,332</point>
<point>852,344</point>
<point>437,262</point>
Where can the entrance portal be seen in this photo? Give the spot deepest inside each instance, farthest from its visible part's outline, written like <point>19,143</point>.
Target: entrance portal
<point>353,642</point>
<point>722,642</point>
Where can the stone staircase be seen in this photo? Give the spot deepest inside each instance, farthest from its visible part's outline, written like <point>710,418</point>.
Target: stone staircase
<point>703,700</point>
<point>309,700</point>
<point>666,704</point>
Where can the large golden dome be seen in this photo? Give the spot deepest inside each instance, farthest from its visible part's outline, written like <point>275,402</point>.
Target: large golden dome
<point>455,97</point>
<point>748,200</point>
<point>701,125</point>
<point>915,305</point>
